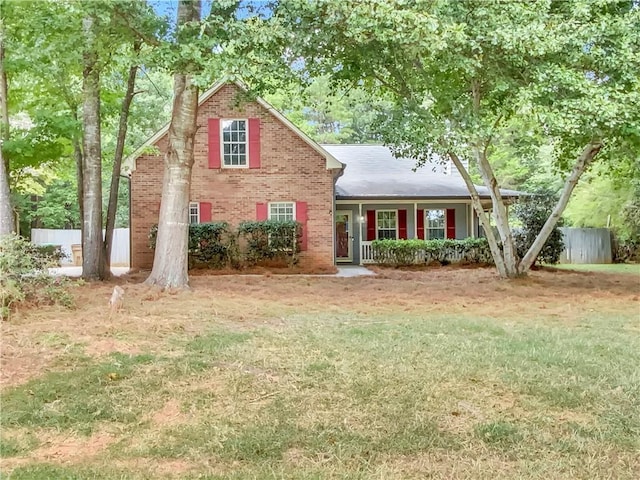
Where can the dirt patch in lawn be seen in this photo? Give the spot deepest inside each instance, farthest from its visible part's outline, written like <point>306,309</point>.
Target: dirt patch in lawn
<point>57,448</point>
<point>169,415</point>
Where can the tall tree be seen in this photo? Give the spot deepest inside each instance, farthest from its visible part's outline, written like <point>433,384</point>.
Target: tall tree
<point>459,72</point>
<point>6,212</point>
<point>93,265</point>
<point>170,258</point>
<point>117,158</point>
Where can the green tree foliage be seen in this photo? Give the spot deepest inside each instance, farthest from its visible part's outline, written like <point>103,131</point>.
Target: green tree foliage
<point>460,74</point>
<point>329,114</point>
<point>608,198</point>
<point>44,67</point>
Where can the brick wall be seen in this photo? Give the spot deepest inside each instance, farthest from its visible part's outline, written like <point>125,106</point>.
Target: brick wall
<point>290,171</point>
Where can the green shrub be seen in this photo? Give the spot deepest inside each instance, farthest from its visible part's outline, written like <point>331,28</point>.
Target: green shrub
<point>270,240</point>
<point>625,249</point>
<point>52,251</point>
<point>25,277</point>
<point>533,211</point>
<point>215,245</point>
<point>209,244</point>
<point>415,252</point>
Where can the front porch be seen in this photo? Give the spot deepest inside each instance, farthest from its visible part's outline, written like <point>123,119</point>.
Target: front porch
<point>358,224</point>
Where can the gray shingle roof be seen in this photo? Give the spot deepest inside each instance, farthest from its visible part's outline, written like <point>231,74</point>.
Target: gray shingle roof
<point>373,172</point>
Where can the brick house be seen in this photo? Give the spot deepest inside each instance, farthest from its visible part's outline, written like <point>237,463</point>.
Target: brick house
<point>251,163</point>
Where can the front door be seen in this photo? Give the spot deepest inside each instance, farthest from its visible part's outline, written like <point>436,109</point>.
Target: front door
<point>344,236</point>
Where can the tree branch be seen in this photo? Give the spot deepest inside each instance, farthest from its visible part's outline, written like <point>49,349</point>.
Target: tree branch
<point>482,216</point>
<point>582,162</point>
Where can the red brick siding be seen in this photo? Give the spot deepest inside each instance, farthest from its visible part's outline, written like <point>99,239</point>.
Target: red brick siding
<point>290,171</point>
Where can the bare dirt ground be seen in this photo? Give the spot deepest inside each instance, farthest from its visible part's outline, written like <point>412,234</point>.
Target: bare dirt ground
<point>32,339</point>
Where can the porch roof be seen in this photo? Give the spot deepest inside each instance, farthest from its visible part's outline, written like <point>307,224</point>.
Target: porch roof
<point>373,172</point>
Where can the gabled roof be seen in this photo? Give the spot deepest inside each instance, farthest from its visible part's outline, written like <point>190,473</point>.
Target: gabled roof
<point>373,172</point>
<point>129,163</point>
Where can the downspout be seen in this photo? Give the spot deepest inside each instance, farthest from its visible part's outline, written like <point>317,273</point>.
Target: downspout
<point>128,178</point>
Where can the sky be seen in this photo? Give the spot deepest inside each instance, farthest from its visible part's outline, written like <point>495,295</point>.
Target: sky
<point>169,8</point>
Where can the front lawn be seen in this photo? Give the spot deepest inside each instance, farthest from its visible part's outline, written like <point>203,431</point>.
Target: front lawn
<point>449,373</point>
<point>632,268</point>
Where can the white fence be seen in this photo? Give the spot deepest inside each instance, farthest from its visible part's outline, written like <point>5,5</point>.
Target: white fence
<point>366,253</point>
<point>66,238</point>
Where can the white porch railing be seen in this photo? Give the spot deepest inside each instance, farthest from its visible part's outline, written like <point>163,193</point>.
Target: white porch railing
<point>366,255</point>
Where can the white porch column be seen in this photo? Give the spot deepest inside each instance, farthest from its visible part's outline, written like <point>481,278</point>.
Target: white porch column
<point>360,221</point>
<point>473,222</point>
<point>415,220</point>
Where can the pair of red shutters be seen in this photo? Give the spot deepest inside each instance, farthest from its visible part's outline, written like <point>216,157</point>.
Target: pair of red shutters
<point>215,161</point>
<point>402,224</point>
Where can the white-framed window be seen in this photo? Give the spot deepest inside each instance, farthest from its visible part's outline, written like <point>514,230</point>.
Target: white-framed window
<point>282,211</point>
<point>194,212</point>
<point>387,224</point>
<point>234,143</point>
<point>435,224</point>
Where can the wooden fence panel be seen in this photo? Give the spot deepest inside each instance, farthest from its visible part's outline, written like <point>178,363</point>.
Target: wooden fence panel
<point>586,245</point>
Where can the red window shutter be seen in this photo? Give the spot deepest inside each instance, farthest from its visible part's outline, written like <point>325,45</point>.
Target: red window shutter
<point>214,143</point>
<point>301,216</point>
<point>451,223</point>
<point>402,224</point>
<point>261,211</point>
<point>205,212</point>
<point>371,225</point>
<point>254,143</point>
<point>420,224</point>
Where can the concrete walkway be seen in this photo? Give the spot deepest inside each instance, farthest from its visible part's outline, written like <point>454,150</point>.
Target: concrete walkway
<point>72,271</point>
<point>353,271</point>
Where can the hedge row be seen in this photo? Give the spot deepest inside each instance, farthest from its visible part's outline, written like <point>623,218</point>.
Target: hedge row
<point>418,252</point>
<point>217,245</point>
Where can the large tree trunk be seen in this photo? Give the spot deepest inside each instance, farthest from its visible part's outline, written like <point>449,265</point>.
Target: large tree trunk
<point>7,224</point>
<point>496,252</point>
<point>117,162</point>
<point>92,245</point>
<point>500,212</point>
<point>584,160</point>
<point>170,259</point>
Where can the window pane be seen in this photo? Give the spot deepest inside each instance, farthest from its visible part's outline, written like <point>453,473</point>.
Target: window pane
<point>386,224</point>
<point>281,211</point>
<point>435,224</point>
<point>193,212</point>
<point>234,142</point>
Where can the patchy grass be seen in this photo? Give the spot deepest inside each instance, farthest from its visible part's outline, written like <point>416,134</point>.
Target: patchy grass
<point>449,373</point>
<point>631,268</point>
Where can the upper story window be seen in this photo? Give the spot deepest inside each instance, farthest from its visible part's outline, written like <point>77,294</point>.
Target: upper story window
<point>234,143</point>
<point>387,224</point>
<point>435,224</point>
<point>194,212</point>
<point>282,211</point>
